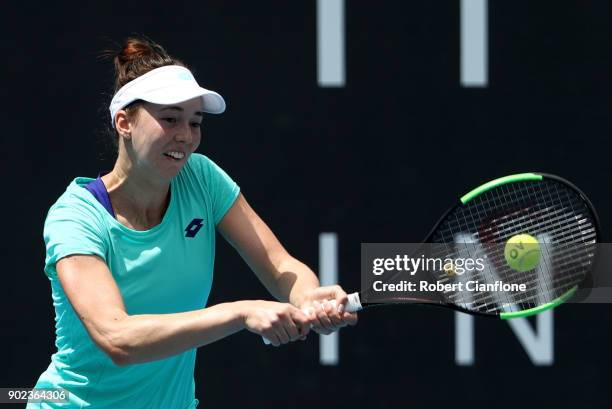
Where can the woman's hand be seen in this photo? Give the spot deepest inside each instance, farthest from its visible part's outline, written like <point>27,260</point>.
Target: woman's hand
<point>327,316</point>
<point>280,323</point>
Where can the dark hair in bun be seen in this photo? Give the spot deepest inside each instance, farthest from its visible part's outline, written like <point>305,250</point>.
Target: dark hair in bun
<point>138,56</point>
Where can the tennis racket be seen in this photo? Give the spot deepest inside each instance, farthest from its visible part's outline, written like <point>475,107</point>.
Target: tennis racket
<point>546,207</point>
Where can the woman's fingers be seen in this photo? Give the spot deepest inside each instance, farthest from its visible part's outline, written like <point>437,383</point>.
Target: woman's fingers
<point>328,317</point>
<point>278,323</point>
<point>322,322</point>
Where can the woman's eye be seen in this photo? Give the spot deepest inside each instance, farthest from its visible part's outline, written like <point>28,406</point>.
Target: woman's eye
<point>196,124</point>
<point>170,120</point>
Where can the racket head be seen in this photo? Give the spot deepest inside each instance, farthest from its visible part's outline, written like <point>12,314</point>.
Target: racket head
<point>544,206</point>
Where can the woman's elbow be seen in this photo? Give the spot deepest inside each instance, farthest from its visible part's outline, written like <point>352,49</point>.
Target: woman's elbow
<point>119,357</point>
<point>113,346</point>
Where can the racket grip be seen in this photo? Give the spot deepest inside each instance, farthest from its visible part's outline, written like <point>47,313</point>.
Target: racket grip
<point>353,305</point>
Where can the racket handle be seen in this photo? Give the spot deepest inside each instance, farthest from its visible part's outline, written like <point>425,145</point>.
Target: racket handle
<point>353,305</point>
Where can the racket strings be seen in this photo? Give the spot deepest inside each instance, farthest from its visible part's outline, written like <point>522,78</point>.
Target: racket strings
<point>550,211</point>
<point>531,280</point>
<point>542,290</point>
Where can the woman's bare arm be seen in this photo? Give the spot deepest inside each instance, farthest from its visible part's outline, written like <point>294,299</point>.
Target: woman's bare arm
<point>129,339</point>
<point>285,277</point>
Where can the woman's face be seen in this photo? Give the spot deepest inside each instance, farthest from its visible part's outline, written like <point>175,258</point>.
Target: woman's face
<point>163,136</point>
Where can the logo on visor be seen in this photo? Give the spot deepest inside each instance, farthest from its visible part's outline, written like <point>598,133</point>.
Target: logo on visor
<point>184,76</point>
<point>193,228</point>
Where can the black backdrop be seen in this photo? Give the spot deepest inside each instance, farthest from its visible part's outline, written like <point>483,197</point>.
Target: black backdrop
<point>377,160</point>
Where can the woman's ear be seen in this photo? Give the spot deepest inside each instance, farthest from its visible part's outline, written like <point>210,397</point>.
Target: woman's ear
<point>122,124</point>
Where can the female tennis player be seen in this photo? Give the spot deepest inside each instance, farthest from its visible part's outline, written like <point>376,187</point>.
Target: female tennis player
<point>130,254</point>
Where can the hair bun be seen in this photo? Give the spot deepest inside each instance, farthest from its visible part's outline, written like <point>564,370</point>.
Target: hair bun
<point>134,49</point>
<point>137,56</point>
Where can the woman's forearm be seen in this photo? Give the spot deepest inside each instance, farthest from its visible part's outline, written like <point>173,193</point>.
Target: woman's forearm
<point>294,280</point>
<point>142,338</point>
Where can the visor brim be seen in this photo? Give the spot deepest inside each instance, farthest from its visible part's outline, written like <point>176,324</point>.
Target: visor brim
<point>213,103</point>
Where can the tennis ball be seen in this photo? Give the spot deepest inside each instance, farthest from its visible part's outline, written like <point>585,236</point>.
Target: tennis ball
<point>522,252</point>
<point>449,269</point>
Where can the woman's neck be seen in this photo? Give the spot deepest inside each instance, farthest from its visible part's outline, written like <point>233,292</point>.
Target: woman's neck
<point>138,202</point>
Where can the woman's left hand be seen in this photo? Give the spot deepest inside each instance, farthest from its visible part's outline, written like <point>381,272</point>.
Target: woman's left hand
<point>327,316</point>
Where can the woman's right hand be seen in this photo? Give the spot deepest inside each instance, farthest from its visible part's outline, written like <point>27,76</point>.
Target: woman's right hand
<point>278,322</point>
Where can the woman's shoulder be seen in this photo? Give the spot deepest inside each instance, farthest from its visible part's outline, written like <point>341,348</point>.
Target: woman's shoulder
<point>199,160</point>
<point>201,167</point>
<point>204,172</point>
<point>76,201</point>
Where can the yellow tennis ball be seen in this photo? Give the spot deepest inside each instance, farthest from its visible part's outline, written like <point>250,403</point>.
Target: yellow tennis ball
<point>449,269</point>
<point>522,252</point>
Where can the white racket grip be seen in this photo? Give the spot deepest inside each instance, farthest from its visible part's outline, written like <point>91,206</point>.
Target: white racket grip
<point>352,305</point>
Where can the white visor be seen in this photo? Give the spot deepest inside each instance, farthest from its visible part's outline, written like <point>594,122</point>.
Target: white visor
<point>167,85</point>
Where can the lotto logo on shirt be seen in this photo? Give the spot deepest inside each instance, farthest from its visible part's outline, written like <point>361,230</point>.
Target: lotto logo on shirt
<point>193,228</point>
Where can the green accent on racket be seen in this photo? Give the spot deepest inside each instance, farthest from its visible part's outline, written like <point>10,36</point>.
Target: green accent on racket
<point>498,182</point>
<point>533,311</point>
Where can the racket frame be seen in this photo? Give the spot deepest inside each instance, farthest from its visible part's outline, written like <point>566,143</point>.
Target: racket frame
<point>518,177</point>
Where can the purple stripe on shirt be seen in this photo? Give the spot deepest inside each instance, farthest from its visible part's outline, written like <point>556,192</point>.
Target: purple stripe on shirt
<point>98,190</point>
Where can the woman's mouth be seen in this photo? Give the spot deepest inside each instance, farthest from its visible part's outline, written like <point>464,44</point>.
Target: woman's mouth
<point>175,155</point>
